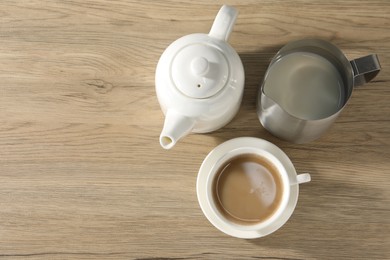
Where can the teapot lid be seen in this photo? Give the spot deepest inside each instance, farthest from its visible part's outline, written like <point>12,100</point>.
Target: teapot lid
<point>199,70</point>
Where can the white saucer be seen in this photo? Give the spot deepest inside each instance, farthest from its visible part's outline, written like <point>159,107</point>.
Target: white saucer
<point>213,157</point>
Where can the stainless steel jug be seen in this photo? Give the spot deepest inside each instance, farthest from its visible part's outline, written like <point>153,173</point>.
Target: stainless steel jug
<point>275,116</point>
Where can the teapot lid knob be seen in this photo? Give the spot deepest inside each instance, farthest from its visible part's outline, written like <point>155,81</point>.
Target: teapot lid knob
<point>199,70</point>
<point>199,66</point>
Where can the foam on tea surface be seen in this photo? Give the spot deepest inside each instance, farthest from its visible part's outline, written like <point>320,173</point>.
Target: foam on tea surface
<point>248,189</point>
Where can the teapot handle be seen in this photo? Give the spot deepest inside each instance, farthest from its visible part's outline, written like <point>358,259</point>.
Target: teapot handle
<point>223,23</point>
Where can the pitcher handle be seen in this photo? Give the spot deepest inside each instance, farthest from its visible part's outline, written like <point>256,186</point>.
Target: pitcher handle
<point>223,23</point>
<point>365,69</point>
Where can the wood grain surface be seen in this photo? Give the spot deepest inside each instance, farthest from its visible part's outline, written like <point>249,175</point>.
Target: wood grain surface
<point>82,174</point>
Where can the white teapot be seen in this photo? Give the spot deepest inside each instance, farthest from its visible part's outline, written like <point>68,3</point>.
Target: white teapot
<point>200,81</point>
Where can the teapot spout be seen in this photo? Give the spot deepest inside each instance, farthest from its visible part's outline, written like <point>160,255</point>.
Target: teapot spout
<point>175,127</point>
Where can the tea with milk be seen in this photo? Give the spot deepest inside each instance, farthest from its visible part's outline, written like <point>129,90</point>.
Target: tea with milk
<point>248,189</point>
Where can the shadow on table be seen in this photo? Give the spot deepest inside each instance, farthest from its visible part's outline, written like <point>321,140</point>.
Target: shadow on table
<point>246,122</point>
<point>332,220</point>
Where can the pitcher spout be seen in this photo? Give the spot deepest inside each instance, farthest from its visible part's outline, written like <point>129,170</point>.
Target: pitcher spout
<point>175,127</point>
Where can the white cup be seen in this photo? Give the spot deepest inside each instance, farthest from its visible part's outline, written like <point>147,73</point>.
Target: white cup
<point>249,145</point>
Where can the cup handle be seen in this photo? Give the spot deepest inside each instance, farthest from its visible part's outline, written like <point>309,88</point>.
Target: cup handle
<point>223,23</point>
<point>303,177</point>
<point>365,69</point>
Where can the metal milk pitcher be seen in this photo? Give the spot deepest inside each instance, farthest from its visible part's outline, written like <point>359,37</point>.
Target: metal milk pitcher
<point>307,85</point>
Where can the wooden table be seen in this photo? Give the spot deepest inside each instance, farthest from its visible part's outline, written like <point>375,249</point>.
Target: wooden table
<point>82,174</point>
